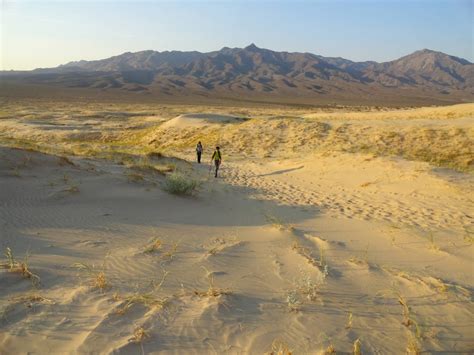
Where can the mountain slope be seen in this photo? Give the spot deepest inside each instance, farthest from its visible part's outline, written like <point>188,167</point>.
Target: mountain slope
<point>256,73</point>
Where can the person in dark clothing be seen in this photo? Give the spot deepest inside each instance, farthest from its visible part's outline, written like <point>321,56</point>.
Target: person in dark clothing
<point>199,152</point>
<point>217,158</point>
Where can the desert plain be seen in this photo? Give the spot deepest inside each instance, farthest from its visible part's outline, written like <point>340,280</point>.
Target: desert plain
<point>329,230</point>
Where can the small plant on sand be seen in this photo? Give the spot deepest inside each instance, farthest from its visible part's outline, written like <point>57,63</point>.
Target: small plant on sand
<point>469,239</point>
<point>31,299</point>
<point>153,246</point>
<point>356,348</point>
<point>349,321</point>
<point>20,267</point>
<point>408,319</point>
<point>279,223</point>
<point>135,177</point>
<point>64,161</point>
<point>139,335</point>
<point>148,299</point>
<point>310,287</point>
<point>307,254</point>
<point>279,347</point>
<point>330,350</point>
<point>433,245</point>
<point>97,278</point>
<point>178,184</point>
<point>170,253</point>
<point>413,348</point>
<point>212,290</point>
<point>294,304</point>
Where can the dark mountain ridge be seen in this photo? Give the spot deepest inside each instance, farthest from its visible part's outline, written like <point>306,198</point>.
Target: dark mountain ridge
<point>252,72</point>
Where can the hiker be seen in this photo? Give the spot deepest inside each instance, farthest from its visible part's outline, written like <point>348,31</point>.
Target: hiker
<point>199,152</point>
<point>217,157</point>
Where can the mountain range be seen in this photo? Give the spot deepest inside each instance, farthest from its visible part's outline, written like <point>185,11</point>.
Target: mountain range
<point>256,74</point>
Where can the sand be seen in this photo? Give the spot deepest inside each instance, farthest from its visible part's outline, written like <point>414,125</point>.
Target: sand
<point>297,246</point>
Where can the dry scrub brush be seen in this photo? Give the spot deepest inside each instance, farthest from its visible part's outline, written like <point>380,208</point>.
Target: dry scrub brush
<point>178,184</point>
<point>20,267</point>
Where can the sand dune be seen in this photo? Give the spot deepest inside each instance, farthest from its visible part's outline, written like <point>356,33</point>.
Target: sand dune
<point>300,245</point>
<point>199,120</point>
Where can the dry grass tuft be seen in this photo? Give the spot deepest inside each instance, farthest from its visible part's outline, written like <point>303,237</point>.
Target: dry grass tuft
<point>139,335</point>
<point>294,304</point>
<point>356,348</point>
<point>329,350</point>
<point>308,255</point>
<point>413,348</point>
<point>147,299</point>
<point>20,267</point>
<point>279,347</point>
<point>406,311</point>
<point>97,277</point>
<point>310,287</point>
<point>170,253</point>
<point>212,290</point>
<point>349,321</point>
<point>154,246</point>
<point>32,299</point>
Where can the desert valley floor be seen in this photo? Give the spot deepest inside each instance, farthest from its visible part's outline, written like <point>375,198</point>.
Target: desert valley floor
<point>328,230</point>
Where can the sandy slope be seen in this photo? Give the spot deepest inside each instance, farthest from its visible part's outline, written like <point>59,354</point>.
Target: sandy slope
<point>373,239</point>
<point>303,249</point>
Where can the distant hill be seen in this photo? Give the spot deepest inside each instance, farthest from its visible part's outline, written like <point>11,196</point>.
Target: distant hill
<point>257,74</point>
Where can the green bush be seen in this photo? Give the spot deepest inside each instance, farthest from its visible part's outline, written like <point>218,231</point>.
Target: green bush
<point>178,184</point>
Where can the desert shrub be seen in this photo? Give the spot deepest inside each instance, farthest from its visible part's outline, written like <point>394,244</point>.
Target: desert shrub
<point>179,184</point>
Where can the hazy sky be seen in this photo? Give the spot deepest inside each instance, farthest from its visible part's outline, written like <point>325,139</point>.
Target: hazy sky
<point>37,33</point>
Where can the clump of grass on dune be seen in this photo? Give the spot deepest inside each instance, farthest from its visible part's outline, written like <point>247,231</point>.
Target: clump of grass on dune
<point>212,290</point>
<point>413,348</point>
<point>155,245</point>
<point>20,267</point>
<point>97,277</point>
<point>178,184</point>
<point>279,347</point>
<point>330,350</point>
<point>356,347</point>
<point>148,299</point>
<point>139,335</point>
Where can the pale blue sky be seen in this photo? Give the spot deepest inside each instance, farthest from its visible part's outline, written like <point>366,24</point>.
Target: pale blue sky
<point>37,33</point>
